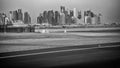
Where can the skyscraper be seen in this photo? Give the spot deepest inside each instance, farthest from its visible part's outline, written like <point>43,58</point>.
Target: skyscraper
<point>71,13</point>
<point>1,19</point>
<point>66,16</point>
<point>79,15</point>
<point>99,18</point>
<point>57,18</point>
<point>45,16</point>
<point>51,17</point>
<point>88,15</point>
<point>15,15</point>
<point>94,20</point>
<point>75,12</point>
<point>68,19</point>
<point>88,20</point>
<point>40,19</point>
<point>11,16</point>
<point>20,15</point>
<point>62,18</point>
<point>27,18</point>
<point>62,9</point>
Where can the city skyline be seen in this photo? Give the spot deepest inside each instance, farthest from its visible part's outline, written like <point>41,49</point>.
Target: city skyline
<point>34,7</point>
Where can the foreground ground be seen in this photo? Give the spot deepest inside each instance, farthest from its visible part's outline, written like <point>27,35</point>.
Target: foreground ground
<point>82,49</point>
<point>28,41</point>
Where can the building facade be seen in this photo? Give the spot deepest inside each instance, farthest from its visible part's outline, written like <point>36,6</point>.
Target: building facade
<point>27,18</point>
<point>20,15</point>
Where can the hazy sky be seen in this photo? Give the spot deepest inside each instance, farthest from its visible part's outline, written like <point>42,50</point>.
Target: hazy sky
<point>109,8</point>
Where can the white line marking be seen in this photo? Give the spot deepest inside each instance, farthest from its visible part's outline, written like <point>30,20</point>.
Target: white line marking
<point>57,51</point>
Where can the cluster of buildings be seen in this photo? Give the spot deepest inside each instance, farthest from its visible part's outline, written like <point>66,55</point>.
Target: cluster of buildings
<point>15,17</point>
<point>17,21</point>
<point>68,17</point>
<point>50,17</point>
<point>4,19</point>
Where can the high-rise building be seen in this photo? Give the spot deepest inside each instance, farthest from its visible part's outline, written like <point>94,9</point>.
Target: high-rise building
<point>96,19</point>
<point>88,20</point>
<point>1,19</point>
<point>89,13</point>
<point>71,13</point>
<point>62,9</point>
<point>66,16</point>
<point>89,17</point>
<point>57,18</point>
<point>27,18</point>
<point>45,16</point>
<point>40,19</point>
<point>62,18</point>
<point>51,17</point>
<point>68,19</point>
<point>99,18</point>
<point>3,16</point>
<point>20,15</point>
<point>11,16</point>
<point>79,15</point>
<point>15,15</point>
<point>75,12</point>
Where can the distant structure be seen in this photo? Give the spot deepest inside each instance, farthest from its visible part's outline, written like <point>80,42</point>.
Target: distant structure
<point>27,18</point>
<point>68,17</point>
<point>51,17</point>
<point>11,16</point>
<point>45,15</point>
<point>96,20</point>
<point>62,18</point>
<point>62,9</point>
<point>71,13</point>
<point>20,15</point>
<point>79,15</point>
<point>75,12</point>
<point>57,18</point>
<point>15,16</point>
<point>2,18</point>
<point>40,19</point>
<point>91,18</point>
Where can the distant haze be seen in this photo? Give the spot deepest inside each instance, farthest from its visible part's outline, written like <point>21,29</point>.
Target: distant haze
<point>108,8</point>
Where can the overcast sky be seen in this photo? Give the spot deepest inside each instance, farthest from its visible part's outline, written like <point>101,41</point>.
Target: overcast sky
<point>108,8</point>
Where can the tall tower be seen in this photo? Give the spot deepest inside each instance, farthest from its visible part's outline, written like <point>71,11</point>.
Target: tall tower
<point>27,18</point>
<point>71,13</point>
<point>75,12</point>
<point>15,15</point>
<point>79,15</point>
<point>11,16</point>
<point>62,18</point>
<point>62,9</point>
<point>20,15</point>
